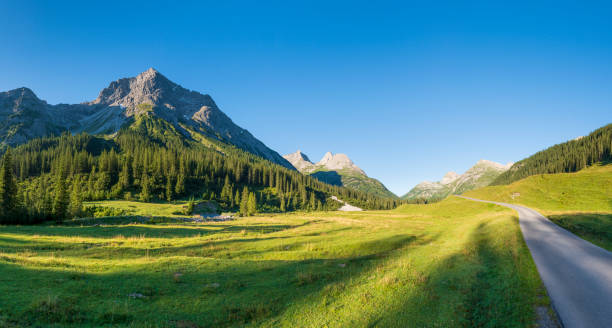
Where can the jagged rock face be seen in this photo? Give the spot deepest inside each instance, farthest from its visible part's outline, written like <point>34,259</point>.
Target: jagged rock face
<point>338,162</point>
<point>300,161</point>
<point>338,170</point>
<point>31,117</point>
<point>24,116</point>
<point>479,175</point>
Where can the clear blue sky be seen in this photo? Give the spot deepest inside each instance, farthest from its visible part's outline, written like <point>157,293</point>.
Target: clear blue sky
<point>407,90</point>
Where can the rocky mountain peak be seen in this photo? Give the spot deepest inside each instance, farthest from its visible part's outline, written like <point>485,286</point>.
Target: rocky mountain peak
<point>19,99</point>
<point>300,161</point>
<point>449,177</point>
<point>149,87</point>
<point>118,103</point>
<point>338,162</point>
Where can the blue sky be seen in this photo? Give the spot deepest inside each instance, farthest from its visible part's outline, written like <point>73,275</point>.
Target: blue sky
<point>408,90</point>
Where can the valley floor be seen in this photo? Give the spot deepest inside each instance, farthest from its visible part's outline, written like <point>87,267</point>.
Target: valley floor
<point>454,263</point>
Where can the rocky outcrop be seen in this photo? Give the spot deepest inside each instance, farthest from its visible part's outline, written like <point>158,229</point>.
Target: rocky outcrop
<point>300,161</point>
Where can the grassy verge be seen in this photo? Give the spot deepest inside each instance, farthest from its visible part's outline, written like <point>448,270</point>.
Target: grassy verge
<point>594,227</point>
<point>580,202</point>
<point>453,263</point>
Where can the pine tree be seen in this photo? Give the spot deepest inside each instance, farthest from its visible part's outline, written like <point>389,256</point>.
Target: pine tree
<point>125,177</point>
<point>61,200</point>
<point>76,202</point>
<point>244,202</point>
<point>145,192</point>
<point>252,204</point>
<point>180,184</point>
<point>169,189</point>
<point>237,198</point>
<point>282,203</point>
<point>9,206</point>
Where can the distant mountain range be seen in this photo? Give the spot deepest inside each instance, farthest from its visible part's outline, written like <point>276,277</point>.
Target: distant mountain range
<point>480,175</point>
<point>23,116</point>
<point>339,170</point>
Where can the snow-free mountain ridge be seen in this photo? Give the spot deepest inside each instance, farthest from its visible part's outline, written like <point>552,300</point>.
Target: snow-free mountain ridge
<point>338,169</point>
<point>24,116</point>
<point>479,175</point>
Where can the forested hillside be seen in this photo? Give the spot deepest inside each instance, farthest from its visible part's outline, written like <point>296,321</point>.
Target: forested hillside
<point>566,157</point>
<point>149,160</point>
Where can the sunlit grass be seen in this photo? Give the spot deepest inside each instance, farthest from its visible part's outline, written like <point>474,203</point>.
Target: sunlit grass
<point>454,263</point>
<point>580,202</point>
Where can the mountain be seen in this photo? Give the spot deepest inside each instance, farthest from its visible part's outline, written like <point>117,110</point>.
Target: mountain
<point>194,115</point>
<point>570,156</point>
<point>300,161</point>
<point>338,170</point>
<point>480,175</point>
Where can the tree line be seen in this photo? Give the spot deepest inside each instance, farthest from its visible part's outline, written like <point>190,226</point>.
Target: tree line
<point>566,157</point>
<point>50,178</point>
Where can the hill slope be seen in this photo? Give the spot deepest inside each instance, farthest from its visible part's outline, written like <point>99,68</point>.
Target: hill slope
<point>569,156</point>
<point>339,170</point>
<point>479,175</point>
<point>589,189</point>
<point>580,202</point>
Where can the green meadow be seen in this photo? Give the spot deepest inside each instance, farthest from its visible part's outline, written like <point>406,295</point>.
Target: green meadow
<point>450,264</point>
<point>580,202</point>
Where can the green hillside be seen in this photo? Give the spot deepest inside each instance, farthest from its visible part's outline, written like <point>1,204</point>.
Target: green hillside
<point>151,160</point>
<point>580,202</point>
<point>566,157</point>
<point>353,180</point>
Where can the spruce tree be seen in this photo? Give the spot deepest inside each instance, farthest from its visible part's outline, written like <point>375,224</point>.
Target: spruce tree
<point>9,199</point>
<point>61,200</point>
<point>180,184</point>
<point>169,189</point>
<point>76,202</point>
<point>244,202</point>
<point>252,204</point>
<point>145,192</point>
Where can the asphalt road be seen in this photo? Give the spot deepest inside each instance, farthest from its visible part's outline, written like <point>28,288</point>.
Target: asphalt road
<point>576,273</point>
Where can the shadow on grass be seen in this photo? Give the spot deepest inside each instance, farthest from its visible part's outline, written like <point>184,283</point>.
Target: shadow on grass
<point>153,231</point>
<point>489,284</point>
<point>189,293</point>
<point>593,227</point>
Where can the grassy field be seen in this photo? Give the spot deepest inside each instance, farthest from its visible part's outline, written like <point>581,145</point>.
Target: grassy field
<point>170,210</point>
<point>453,263</point>
<point>580,202</point>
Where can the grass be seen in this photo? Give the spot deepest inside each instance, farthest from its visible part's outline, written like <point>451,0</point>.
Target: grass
<point>144,209</point>
<point>580,202</point>
<point>453,263</point>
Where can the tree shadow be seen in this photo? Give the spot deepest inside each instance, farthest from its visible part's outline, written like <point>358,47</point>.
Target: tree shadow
<point>172,291</point>
<point>487,284</point>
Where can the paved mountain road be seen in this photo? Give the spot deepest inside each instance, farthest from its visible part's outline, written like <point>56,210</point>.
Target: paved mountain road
<point>576,273</point>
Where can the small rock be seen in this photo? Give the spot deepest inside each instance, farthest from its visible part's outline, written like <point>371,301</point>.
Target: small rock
<point>342,265</point>
<point>136,295</point>
<point>213,285</point>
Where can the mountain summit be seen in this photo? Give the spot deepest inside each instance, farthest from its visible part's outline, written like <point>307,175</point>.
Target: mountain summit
<point>191,113</point>
<point>338,169</point>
